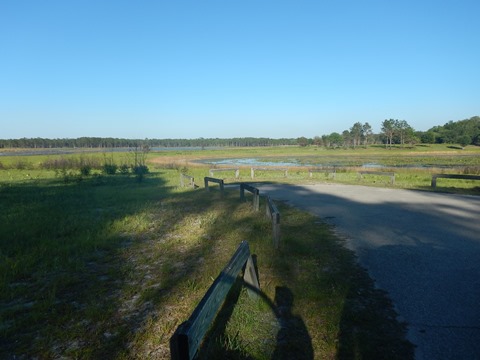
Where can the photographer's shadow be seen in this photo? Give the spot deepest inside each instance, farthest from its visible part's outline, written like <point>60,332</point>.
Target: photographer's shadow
<point>293,340</point>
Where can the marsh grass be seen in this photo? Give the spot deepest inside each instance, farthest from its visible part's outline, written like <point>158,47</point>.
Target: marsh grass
<point>109,267</point>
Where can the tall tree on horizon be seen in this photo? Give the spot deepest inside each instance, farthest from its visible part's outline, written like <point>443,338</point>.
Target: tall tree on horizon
<point>388,128</point>
<point>356,132</point>
<point>367,133</point>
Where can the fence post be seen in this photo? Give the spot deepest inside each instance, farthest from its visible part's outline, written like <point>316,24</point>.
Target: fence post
<point>251,279</point>
<point>218,181</point>
<point>252,173</point>
<point>274,216</point>
<point>256,199</point>
<point>276,230</point>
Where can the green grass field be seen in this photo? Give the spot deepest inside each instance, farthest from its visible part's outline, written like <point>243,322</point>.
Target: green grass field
<point>106,266</point>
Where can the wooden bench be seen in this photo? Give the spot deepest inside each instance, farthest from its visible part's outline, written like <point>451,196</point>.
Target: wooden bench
<point>453,176</point>
<point>380,173</point>
<point>186,340</point>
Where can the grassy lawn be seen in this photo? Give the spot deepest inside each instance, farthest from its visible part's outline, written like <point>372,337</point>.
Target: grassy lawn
<point>108,267</point>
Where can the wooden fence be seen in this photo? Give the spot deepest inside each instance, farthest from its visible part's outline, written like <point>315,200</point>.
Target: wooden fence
<point>237,171</point>
<point>186,340</point>
<point>190,179</point>
<point>453,176</point>
<point>252,171</point>
<point>328,171</point>
<point>254,191</point>
<point>218,181</point>
<point>391,174</point>
<point>272,213</point>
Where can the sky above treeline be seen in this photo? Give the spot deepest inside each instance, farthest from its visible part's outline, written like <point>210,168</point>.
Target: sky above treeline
<point>203,68</point>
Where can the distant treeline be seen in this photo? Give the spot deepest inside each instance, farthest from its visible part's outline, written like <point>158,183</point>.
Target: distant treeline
<point>463,132</point>
<point>97,142</point>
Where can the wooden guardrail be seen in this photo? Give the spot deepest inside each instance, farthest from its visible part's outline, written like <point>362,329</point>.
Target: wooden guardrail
<point>453,176</point>
<point>190,179</point>
<point>254,191</point>
<point>272,213</point>
<point>252,171</point>
<point>214,180</point>
<point>186,340</point>
<point>237,171</point>
<point>328,171</point>
<point>381,173</point>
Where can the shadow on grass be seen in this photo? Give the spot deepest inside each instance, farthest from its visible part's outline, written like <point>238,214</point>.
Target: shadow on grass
<point>63,265</point>
<point>292,340</point>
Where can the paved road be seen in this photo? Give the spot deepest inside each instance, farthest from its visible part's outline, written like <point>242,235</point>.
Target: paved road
<point>421,247</point>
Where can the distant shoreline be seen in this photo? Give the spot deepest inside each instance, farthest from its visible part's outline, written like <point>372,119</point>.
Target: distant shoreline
<point>67,151</point>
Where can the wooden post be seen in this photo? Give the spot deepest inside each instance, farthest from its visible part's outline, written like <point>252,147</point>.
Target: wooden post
<point>252,173</point>
<point>274,216</point>
<point>276,230</point>
<point>256,200</point>
<point>250,278</point>
<point>191,180</point>
<point>218,181</point>
<point>254,191</point>
<point>434,181</point>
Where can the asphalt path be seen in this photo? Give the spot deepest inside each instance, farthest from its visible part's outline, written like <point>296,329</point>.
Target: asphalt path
<point>423,248</point>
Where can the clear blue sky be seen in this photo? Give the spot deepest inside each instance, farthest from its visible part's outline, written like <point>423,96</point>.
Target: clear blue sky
<point>234,68</point>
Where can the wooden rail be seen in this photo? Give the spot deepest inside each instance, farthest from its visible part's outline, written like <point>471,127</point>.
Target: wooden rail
<point>218,181</point>
<point>186,340</point>
<point>391,174</point>
<point>237,171</point>
<point>453,176</point>
<point>252,171</point>
<point>254,191</point>
<point>328,171</point>
<point>273,214</point>
<point>190,179</point>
